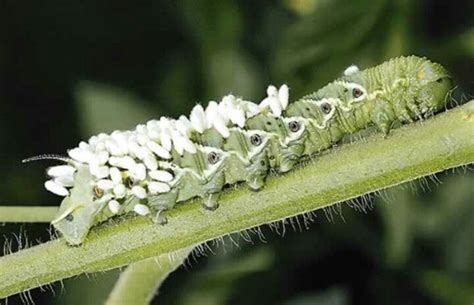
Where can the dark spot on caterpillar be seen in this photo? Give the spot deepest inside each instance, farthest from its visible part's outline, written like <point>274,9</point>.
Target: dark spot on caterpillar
<point>269,123</point>
<point>307,109</point>
<point>256,139</point>
<point>213,158</point>
<point>326,108</point>
<point>262,163</point>
<point>439,80</point>
<point>170,171</point>
<point>345,89</point>
<point>129,182</point>
<point>294,126</point>
<point>97,192</point>
<point>69,217</point>
<point>356,92</point>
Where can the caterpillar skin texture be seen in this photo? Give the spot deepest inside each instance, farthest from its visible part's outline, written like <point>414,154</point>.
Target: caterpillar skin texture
<point>166,161</point>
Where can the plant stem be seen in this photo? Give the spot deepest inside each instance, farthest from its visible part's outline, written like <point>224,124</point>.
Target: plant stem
<point>139,283</point>
<point>27,214</point>
<point>348,171</point>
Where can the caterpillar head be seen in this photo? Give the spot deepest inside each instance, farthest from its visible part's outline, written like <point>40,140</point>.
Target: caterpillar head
<point>434,84</point>
<point>78,210</point>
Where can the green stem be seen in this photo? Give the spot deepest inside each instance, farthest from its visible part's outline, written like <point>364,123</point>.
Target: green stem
<point>139,283</point>
<point>27,214</point>
<point>342,173</point>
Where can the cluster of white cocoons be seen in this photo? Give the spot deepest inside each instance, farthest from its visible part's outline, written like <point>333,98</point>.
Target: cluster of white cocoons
<point>141,155</point>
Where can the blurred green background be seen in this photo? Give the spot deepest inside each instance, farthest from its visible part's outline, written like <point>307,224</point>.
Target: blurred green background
<point>69,69</point>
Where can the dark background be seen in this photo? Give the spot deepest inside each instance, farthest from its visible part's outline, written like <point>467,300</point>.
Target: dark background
<point>69,69</point>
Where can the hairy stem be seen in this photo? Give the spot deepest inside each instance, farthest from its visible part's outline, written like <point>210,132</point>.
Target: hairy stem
<point>139,283</point>
<point>342,173</point>
<point>27,214</point>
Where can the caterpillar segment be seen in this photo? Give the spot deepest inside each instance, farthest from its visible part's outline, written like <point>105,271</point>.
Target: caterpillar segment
<point>402,89</point>
<point>164,162</point>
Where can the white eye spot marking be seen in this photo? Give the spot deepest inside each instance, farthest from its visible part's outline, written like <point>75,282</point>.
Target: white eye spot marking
<point>357,94</point>
<point>256,139</point>
<point>352,69</point>
<point>328,109</point>
<point>294,126</point>
<point>213,157</point>
<point>297,128</point>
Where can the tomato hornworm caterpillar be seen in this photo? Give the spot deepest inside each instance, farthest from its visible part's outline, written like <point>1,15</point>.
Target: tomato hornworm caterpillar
<point>167,161</point>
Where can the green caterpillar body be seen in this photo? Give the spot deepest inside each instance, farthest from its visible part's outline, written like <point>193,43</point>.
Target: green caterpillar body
<point>170,161</point>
